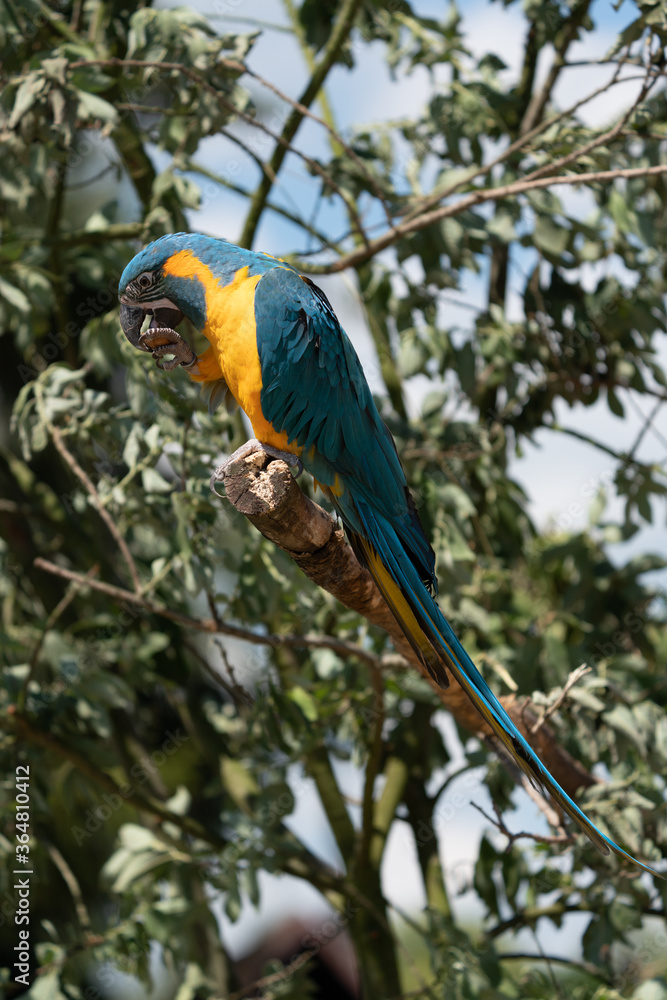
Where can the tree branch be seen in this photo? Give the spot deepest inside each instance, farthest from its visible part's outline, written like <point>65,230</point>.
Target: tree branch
<point>539,100</point>
<point>362,254</point>
<point>331,52</point>
<point>208,624</point>
<point>524,140</point>
<point>303,864</point>
<point>283,147</point>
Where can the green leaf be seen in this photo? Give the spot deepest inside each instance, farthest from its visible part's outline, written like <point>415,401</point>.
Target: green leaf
<point>47,987</point>
<point>305,701</point>
<point>598,938</point>
<point>551,238</point>
<point>238,781</point>
<point>14,296</point>
<point>614,402</point>
<point>26,95</point>
<point>153,482</point>
<point>502,226</point>
<point>93,107</point>
<point>623,721</point>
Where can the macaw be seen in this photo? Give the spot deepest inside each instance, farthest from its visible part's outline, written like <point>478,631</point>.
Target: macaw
<point>277,347</point>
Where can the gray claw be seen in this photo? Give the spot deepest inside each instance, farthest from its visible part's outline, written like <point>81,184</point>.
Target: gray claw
<point>288,457</point>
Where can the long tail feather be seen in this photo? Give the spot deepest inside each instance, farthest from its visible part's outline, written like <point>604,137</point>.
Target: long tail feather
<point>434,642</point>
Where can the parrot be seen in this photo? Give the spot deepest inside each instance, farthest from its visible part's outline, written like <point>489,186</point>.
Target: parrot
<point>278,351</point>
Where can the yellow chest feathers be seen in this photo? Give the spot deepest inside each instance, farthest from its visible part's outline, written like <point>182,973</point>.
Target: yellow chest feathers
<point>230,329</point>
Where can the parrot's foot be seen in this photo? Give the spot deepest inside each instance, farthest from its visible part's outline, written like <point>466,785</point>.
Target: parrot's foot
<point>250,448</point>
<point>163,340</point>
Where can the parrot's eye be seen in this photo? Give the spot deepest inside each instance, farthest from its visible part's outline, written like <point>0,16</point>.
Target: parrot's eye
<point>144,280</point>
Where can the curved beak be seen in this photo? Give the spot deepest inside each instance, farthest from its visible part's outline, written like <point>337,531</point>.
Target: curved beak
<point>131,319</point>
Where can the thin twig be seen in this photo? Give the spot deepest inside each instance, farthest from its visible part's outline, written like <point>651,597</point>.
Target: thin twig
<point>500,669</point>
<point>306,865</point>
<point>270,205</point>
<point>573,678</point>
<point>62,604</point>
<point>72,884</point>
<point>264,167</point>
<point>362,254</point>
<point>552,817</point>
<point>564,161</point>
<point>334,134</point>
<point>588,967</point>
<point>499,824</point>
<point>239,692</point>
<point>477,172</point>
<point>341,30</point>
<point>89,486</point>
<point>648,421</point>
<point>276,977</point>
<point>25,729</point>
<point>284,145</point>
<point>531,914</point>
<point>566,35</point>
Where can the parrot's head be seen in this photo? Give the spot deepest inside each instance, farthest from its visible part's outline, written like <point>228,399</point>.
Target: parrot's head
<point>149,286</point>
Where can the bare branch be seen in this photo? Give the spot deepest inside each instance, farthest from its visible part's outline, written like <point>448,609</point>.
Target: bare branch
<point>72,884</point>
<point>362,254</point>
<point>499,824</point>
<point>276,977</point>
<point>283,147</point>
<point>576,154</point>
<point>333,133</point>
<point>574,677</point>
<point>53,617</point>
<point>524,140</point>
<point>568,34</point>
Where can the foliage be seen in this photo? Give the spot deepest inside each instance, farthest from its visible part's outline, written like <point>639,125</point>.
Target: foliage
<point>164,765</point>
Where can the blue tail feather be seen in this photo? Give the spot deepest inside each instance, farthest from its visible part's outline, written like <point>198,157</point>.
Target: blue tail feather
<point>449,654</point>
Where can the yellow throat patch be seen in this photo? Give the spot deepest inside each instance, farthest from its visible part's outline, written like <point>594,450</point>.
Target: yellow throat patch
<point>232,332</point>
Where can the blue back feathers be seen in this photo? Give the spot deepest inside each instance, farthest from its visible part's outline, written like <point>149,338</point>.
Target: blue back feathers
<point>314,388</point>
